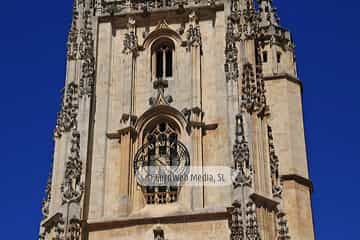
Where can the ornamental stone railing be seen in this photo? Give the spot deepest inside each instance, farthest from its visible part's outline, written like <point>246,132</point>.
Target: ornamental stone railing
<point>114,7</point>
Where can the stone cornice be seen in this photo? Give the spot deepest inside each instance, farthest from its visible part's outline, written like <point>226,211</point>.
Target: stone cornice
<point>122,132</point>
<point>298,179</point>
<point>196,216</point>
<point>263,201</point>
<point>284,76</point>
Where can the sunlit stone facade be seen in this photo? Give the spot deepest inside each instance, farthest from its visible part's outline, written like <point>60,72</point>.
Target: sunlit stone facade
<point>196,82</point>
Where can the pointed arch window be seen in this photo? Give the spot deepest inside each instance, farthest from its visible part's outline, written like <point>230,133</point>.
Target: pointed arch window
<point>163,59</point>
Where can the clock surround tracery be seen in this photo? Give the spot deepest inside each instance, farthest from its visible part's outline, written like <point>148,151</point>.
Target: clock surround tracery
<point>163,152</point>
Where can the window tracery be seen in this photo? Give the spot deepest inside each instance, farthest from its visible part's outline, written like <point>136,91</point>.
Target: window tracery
<point>162,151</point>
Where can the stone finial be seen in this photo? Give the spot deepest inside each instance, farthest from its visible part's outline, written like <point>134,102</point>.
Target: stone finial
<point>160,99</point>
<point>72,188</point>
<point>241,153</point>
<point>67,117</point>
<point>231,53</point>
<point>193,37</point>
<point>268,13</point>
<point>131,39</point>
<point>245,16</point>
<point>253,98</point>
<point>282,226</point>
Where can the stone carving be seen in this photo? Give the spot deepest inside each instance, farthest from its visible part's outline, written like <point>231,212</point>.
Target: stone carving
<point>181,29</point>
<point>282,225</point>
<point>54,227</point>
<point>87,80</point>
<point>270,32</point>
<point>267,13</point>
<point>231,52</point>
<point>159,234</point>
<point>241,155</point>
<point>236,222</point>
<point>67,116</point>
<point>274,166</point>
<point>86,52</point>
<point>114,7</point>
<point>98,7</point>
<point>86,37</point>
<point>253,91</point>
<point>81,47</point>
<point>212,3</point>
<point>131,39</point>
<point>160,99</point>
<point>193,34</point>
<point>243,12</point>
<point>194,114</point>
<point>252,228</point>
<point>46,201</point>
<point>72,188</point>
<point>72,45</point>
<point>74,229</point>
<point>243,226</point>
<point>59,231</point>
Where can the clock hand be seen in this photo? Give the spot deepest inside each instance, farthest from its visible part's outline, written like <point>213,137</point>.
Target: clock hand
<point>163,163</point>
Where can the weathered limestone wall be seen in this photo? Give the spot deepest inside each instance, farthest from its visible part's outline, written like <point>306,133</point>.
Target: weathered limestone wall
<point>113,195</point>
<point>297,204</point>
<point>217,143</point>
<point>176,231</point>
<point>102,111</point>
<point>110,187</point>
<point>284,99</point>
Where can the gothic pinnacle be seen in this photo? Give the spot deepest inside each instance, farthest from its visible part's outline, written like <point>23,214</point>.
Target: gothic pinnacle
<point>268,13</point>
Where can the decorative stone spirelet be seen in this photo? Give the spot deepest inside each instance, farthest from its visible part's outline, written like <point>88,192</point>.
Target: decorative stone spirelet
<point>69,110</point>
<point>241,154</point>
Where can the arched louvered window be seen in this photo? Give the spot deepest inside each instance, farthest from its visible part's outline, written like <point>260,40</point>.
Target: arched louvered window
<point>162,59</point>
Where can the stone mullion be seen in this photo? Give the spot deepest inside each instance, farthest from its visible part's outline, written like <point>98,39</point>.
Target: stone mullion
<point>164,63</point>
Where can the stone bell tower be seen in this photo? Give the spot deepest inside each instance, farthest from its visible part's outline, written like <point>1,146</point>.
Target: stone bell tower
<point>192,83</point>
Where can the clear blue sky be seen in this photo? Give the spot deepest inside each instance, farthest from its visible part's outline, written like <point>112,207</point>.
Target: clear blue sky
<point>32,64</point>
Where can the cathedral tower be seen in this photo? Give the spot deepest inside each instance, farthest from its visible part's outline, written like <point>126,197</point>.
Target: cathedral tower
<point>186,84</point>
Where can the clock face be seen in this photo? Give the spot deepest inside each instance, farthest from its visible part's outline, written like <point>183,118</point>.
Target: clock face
<point>162,153</point>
